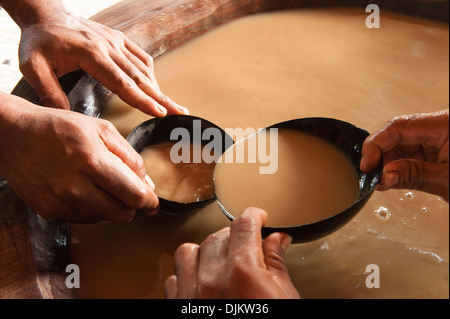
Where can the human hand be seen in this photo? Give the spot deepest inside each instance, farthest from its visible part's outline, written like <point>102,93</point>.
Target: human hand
<point>61,43</point>
<point>415,153</point>
<point>71,167</point>
<point>234,263</point>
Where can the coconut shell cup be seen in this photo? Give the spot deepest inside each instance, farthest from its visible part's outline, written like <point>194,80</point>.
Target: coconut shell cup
<point>349,139</point>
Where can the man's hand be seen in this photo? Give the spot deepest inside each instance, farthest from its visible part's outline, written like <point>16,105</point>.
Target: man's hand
<point>71,167</point>
<point>233,263</point>
<point>54,43</point>
<point>415,153</point>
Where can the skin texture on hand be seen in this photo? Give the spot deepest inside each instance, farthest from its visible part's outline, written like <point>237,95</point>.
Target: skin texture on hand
<point>54,43</point>
<point>71,167</point>
<point>233,263</point>
<point>415,153</point>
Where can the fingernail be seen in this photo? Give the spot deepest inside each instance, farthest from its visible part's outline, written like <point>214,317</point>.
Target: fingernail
<point>183,110</point>
<point>391,179</point>
<point>149,181</point>
<point>162,110</point>
<point>285,242</point>
<point>152,212</point>
<point>362,165</point>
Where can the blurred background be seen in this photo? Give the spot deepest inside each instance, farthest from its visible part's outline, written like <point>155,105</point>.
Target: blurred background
<point>10,37</point>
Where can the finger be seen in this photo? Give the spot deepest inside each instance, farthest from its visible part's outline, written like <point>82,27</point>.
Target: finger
<point>99,202</point>
<point>82,202</point>
<point>245,235</point>
<point>41,76</point>
<point>186,259</point>
<point>106,71</point>
<point>212,261</point>
<point>274,247</point>
<point>371,156</point>
<point>139,53</point>
<point>214,248</point>
<point>412,174</point>
<point>117,145</point>
<point>170,287</point>
<point>135,51</point>
<point>406,134</point>
<point>120,181</point>
<point>145,80</point>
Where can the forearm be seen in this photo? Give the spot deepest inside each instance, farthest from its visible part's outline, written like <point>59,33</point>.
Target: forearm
<point>27,12</point>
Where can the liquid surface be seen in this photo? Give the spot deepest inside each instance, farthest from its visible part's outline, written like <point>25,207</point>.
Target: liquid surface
<point>313,181</point>
<point>268,68</point>
<point>183,182</point>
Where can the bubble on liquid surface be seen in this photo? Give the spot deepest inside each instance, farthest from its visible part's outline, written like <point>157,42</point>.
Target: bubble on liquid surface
<point>409,195</point>
<point>383,213</point>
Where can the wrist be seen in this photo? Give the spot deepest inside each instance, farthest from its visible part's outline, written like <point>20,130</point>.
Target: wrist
<point>29,12</point>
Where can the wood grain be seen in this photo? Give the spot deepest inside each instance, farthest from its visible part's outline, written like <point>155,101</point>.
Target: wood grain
<point>17,271</point>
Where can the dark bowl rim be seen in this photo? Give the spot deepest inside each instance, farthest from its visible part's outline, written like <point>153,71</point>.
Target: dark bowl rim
<point>377,171</point>
<point>179,207</point>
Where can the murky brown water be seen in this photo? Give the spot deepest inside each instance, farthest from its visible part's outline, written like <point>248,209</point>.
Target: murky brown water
<point>183,182</point>
<point>274,67</point>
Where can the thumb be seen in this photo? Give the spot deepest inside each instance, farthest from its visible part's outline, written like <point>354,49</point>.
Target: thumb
<point>274,247</point>
<point>413,174</point>
<point>41,76</point>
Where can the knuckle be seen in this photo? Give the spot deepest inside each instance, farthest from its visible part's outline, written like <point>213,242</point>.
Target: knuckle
<point>184,250</point>
<point>139,78</point>
<point>138,162</point>
<point>139,199</point>
<point>164,99</point>
<point>28,61</point>
<point>91,46</point>
<point>414,179</point>
<point>210,239</point>
<point>120,36</point>
<point>147,72</point>
<point>124,84</point>
<point>148,60</point>
<point>245,223</point>
<point>70,191</point>
<point>106,126</point>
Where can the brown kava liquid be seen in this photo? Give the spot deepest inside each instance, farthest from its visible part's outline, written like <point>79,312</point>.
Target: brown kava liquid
<point>314,180</point>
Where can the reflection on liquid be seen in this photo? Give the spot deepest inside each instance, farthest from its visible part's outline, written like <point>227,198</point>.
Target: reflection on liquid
<point>410,248</point>
<point>265,69</point>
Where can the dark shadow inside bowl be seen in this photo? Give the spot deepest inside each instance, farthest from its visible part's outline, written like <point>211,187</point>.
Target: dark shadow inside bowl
<point>159,130</point>
<point>349,139</point>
